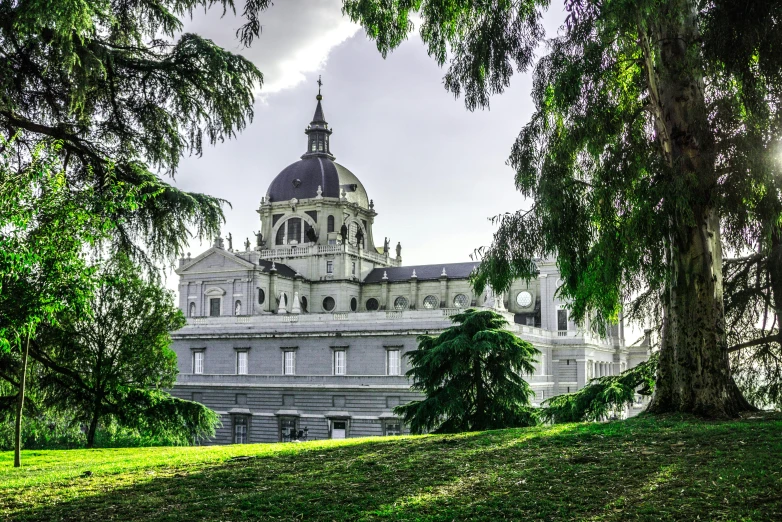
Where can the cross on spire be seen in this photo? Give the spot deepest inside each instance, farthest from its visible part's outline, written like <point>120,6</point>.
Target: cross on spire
<point>320,84</point>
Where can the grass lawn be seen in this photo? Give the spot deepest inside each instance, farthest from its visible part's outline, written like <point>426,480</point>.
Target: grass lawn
<point>641,469</point>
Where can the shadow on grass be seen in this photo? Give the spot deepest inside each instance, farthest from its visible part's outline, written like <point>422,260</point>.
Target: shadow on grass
<point>619,471</point>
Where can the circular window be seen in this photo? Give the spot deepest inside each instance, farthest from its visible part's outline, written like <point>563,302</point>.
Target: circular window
<point>431,301</point>
<point>304,303</point>
<point>524,299</point>
<point>329,303</point>
<point>372,304</point>
<point>353,304</point>
<point>261,296</point>
<point>461,300</point>
<point>400,303</point>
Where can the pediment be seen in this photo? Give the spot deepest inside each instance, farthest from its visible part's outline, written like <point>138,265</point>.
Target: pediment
<point>215,260</point>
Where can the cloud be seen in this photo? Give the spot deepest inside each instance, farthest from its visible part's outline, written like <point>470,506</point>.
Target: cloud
<point>296,38</point>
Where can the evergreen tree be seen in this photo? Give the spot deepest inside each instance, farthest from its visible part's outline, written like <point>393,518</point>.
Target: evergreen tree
<point>115,363</point>
<point>602,396</point>
<point>126,97</point>
<point>471,375</point>
<point>654,145</point>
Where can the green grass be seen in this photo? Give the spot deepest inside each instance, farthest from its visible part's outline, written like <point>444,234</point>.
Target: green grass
<point>642,469</point>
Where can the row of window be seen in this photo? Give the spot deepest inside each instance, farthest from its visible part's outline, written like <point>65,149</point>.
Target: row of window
<point>290,429</point>
<point>338,361</point>
<point>329,304</point>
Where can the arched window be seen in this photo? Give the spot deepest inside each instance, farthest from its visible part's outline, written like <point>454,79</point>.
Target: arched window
<point>330,224</point>
<point>353,304</point>
<point>372,304</point>
<point>191,312</point>
<point>280,239</point>
<point>304,303</point>
<point>294,231</point>
<point>352,229</point>
<point>261,296</point>
<point>400,303</point>
<point>238,308</point>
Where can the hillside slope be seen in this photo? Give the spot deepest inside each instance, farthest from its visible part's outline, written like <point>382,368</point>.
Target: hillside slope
<point>641,469</point>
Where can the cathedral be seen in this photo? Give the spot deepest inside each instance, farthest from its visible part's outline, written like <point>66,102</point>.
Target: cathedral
<point>301,334</point>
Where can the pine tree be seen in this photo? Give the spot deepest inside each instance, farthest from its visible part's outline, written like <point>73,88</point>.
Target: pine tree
<point>471,375</point>
<point>126,97</point>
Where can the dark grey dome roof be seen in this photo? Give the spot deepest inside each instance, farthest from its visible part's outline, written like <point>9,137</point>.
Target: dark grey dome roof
<point>300,180</point>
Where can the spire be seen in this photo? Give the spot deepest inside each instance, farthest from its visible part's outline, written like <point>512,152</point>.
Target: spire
<point>318,131</point>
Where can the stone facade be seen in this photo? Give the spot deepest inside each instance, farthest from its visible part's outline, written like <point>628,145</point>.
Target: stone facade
<point>307,326</point>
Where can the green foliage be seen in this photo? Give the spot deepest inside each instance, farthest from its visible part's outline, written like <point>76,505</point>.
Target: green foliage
<point>127,98</point>
<point>45,225</point>
<point>655,138</point>
<point>482,40</point>
<point>471,376</point>
<point>113,363</point>
<point>602,396</point>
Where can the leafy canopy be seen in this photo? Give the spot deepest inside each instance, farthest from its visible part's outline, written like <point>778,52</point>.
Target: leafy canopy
<point>127,97</point>
<point>114,364</point>
<point>603,396</point>
<point>589,158</point>
<point>471,375</point>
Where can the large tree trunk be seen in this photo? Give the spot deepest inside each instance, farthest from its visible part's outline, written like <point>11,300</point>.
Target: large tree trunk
<point>20,406</point>
<point>92,430</point>
<point>694,371</point>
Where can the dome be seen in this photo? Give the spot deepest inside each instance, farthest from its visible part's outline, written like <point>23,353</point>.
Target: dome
<point>301,180</point>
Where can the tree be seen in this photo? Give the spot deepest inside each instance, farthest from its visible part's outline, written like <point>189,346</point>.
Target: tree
<point>126,100</point>
<point>44,228</point>
<point>107,82</point>
<point>602,396</point>
<point>652,147</point>
<point>471,375</point>
<point>115,362</point>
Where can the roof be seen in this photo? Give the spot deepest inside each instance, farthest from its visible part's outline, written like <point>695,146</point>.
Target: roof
<point>301,180</point>
<point>423,272</point>
<point>319,117</point>
<point>282,269</point>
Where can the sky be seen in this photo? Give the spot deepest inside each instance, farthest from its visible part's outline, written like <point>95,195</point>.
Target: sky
<point>435,171</point>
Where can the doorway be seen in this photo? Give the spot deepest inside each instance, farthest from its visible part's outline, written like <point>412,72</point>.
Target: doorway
<point>339,429</point>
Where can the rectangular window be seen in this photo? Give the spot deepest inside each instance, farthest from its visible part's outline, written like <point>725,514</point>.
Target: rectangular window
<point>542,365</point>
<point>392,428</point>
<point>562,320</point>
<point>339,362</point>
<point>289,362</point>
<point>393,363</point>
<point>329,267</point>
<point>354,268</point>
<point>198,362</point>
<point>241,363</point>
<point>214,307</point>
<point>240,429</point>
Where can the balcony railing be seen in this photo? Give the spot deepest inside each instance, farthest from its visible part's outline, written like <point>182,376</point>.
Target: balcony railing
<point>309,250</point>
